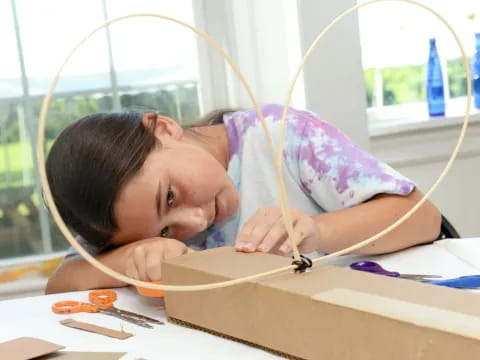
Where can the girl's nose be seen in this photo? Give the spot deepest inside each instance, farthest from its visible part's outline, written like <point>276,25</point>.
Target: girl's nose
<point>192,220</point>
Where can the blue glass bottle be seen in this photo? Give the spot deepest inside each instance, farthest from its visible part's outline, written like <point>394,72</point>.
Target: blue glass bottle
<point>476,71</point>
<point>435,89</point>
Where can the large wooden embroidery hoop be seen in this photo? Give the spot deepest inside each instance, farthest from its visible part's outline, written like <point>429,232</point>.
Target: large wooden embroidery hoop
<point>276,154</point>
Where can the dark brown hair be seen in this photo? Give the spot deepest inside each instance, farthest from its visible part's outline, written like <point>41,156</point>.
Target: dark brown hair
<point>90,162</point>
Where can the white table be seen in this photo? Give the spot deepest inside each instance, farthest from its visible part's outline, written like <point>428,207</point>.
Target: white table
<point>33,317</point>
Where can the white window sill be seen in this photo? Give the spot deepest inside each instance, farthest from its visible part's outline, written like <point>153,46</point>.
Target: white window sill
<point>21,261</point>
<point>396,119</point>
<point>412,144</point>
<point>403,126</point>
<point>29,286</point>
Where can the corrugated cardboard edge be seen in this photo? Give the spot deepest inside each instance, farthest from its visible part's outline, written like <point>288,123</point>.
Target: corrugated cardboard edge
<point>96,329</point>
<point>83,355</point>
<point>219,334</point>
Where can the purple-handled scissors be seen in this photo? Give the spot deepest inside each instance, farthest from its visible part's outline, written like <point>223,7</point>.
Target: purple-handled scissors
<point>373,267</point>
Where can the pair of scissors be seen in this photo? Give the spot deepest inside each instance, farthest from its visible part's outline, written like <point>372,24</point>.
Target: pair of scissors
<point>102,301</point>
<point>462,282</point>
<point>106,298</point>
<point>373,267</point>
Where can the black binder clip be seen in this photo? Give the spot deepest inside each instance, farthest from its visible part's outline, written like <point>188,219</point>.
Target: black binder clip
<point>303,264</point>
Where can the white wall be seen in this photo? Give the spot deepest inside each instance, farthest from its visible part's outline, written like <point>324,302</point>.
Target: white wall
<point>253,33</point>
<point>333,74</point>
<point>422,154</point>
<point>458,197</point>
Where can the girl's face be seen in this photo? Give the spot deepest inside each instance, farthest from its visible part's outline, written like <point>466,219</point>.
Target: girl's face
<point>181,190</point>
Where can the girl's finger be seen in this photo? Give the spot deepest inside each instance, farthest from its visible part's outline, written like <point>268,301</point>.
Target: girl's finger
<point>153,265</point>
<point>139,260</point>
<point>244,236</point>
<point>174,248</point>
<point>301,230</point>
<point>275,236</point>
<point>131,270</point>
<point>256,229</point>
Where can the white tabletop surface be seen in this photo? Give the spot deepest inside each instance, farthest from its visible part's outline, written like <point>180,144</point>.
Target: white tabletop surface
<point>33,317</point>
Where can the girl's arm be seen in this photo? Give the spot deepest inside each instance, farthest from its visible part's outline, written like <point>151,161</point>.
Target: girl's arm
<point>343,228</point>
<point>75,273</point>
<point>329,232</point>
<point>140,260</point>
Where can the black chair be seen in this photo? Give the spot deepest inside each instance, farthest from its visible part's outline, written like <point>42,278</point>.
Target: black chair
<point>447,230</point>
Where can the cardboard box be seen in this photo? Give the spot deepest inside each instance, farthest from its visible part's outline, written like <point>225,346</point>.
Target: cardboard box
<point>327,313</point>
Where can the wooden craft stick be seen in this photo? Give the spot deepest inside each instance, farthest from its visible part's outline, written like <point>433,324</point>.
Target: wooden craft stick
<point>122,335</point>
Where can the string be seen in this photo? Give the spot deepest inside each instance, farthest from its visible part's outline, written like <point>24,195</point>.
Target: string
<point>276,154</point>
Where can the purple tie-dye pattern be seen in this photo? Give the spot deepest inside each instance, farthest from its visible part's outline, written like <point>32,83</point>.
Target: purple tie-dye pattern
<point>239,122</point>
<point>233,136</point>
<point>215,238</point>
<point>405,187</point>
<point>331,155</point>
<point>330,169</point>
<point>336,158</point>
<point>306,185</point>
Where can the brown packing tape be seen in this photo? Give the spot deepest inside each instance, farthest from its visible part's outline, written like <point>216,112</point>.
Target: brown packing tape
<point>422,315</point>
<point>280,313</point>
<point>96,329</point>
<point>26,348</point>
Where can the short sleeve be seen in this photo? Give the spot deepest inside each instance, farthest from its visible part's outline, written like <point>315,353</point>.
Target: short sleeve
<point>337,173</point>
<point>92,250</point>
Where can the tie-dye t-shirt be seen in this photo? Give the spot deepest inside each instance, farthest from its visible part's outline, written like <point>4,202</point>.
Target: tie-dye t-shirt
<point>323,170</point>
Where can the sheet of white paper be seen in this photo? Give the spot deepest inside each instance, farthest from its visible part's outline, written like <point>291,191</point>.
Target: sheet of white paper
<point>430,259</point>
<point>467,250</point>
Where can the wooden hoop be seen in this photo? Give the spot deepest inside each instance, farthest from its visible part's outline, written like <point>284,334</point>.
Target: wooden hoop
<point>276,154</point>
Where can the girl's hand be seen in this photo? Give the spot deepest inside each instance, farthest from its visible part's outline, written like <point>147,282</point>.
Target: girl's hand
<point>146,256</point>
<point>265,231</point>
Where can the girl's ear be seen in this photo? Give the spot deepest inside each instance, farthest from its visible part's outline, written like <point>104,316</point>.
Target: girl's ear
<point>164,126</point>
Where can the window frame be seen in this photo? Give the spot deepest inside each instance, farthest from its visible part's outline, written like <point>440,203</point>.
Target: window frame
<point>322,87</point>
<point>200,12</point>
<point>328,79</point>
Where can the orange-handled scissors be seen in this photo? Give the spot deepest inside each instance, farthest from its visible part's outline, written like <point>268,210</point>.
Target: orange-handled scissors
<point>70,307</point>
<point>102,301</point>
<point>102,298</point>
<point>99,300</point>
<point>105,298</point>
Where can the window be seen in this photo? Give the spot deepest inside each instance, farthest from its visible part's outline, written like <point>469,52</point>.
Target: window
<point>144,64</point>
<point>155,69</point>
<point>395,44</point>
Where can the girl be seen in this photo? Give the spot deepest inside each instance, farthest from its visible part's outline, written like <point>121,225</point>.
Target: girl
<point>138,189</point>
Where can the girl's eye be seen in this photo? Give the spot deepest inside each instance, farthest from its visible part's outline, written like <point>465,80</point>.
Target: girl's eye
<point>164,232</point>
<point>170,203</point>
<point>170,197</point>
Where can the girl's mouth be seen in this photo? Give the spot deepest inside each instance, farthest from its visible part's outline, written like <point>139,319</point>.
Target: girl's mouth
<point>219,210</point>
